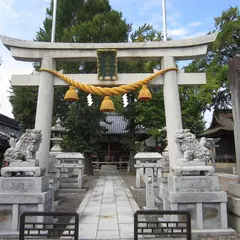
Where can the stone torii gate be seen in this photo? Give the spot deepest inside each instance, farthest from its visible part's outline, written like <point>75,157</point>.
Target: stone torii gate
<point>48,53</point>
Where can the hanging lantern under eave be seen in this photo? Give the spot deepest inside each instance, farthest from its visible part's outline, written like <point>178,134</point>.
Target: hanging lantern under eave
<point>107,105</point>
<point>144,94</point>
<point>71,95</point>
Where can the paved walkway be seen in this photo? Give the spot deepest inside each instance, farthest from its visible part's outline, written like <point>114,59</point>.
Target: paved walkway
<point>107,211</point>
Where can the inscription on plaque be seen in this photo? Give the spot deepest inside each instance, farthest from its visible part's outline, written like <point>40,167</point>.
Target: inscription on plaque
<point>22,186</point>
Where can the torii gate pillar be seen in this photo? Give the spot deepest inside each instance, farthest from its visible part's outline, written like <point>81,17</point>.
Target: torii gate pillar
<point>44,110</point>
<point>234,69</point>
<point>172,108</point>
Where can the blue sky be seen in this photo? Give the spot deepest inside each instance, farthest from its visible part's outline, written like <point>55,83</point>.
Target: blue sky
<point>185,19</point>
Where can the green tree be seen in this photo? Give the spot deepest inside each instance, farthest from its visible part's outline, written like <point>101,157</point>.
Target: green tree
<point>24,102</point>
<point>137,112</point>
<point>215,63</point>
<point>83,129</point>
<point>192,106</point>
<point>80,21</point>
<point>151,114</point>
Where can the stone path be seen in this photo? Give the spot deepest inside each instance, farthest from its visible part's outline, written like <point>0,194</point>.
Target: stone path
<point>107,211</point>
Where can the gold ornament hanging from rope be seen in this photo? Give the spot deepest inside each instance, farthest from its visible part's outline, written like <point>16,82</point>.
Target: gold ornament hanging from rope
<point>107,105</point>
<point>144,94</point>
<point>71,95</point>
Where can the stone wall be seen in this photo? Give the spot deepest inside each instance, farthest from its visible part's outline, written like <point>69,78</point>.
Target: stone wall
<point>224,179</point>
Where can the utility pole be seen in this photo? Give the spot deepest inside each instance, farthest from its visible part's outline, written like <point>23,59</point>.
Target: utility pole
<point>54,21</point>
<point>164,20</point>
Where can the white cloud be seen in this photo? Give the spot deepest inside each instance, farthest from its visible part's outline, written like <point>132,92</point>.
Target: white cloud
<point>196,34</point>
<point>8,13</point>
<point>208,118</point>
<point>151,11</point>
<point>195,24</point>
<point>20,19</point>
<point>10,66</point>
<point>148,6</point>
<point>6,4</point>
<point>177,32</point>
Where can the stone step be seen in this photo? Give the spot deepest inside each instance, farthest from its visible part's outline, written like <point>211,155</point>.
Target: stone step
<point>70,185</point>
<point>234,221</point>
<point>233,205</point>
<point>233,189</point>
<point>69,180</point>
<point>66,192</point>
<point>158,202</point>
<point>55,203</point>
<point>53,180</point>
<point>52,175</point>
<point>108,167</point>
<point>77,190</point>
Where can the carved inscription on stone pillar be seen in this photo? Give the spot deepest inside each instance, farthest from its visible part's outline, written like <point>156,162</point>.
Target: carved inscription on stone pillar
<point>18,185</point>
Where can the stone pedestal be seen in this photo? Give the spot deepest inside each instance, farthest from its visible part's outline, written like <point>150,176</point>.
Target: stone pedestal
<point>201,196</point>
<point>67,172</point>
<point>163,180</point>
<point>192,187</point>
<point>22,194</point>
<point>149,188</point>
<point>75,162</point>
<point>53,173</point>
<point>146,160</point>
<point>233,206</point>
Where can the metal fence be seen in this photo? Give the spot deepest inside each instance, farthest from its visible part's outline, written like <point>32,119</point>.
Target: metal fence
<point>147,224</point>
<point>45,227</point>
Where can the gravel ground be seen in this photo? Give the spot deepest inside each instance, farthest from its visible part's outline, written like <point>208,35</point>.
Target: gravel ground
<point>71,202</point>
<point>139,196</point>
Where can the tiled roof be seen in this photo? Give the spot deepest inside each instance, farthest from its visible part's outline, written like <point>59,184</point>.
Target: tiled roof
<point>117,124</point>
<point>222,121</point>
<point>8,126</point>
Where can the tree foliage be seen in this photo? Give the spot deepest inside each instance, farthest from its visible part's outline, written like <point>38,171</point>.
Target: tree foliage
<point>151,114</point>
<point>215,63</point>
<point>83,129</point>
<point>80,21</point>
<point>95,21</point>
<point>24,103</point>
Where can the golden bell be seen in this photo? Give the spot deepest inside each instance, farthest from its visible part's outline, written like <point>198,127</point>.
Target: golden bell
<point>144,94</point>
<point>107,105</point>
<point>71,95</point>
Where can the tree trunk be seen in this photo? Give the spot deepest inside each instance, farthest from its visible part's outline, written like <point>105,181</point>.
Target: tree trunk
<point>132,162</point>
<point>132,131</point>
<point>88,163</point>
<point>85,164</point>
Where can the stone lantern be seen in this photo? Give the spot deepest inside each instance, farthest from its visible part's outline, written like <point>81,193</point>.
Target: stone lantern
<point>57,133</point>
